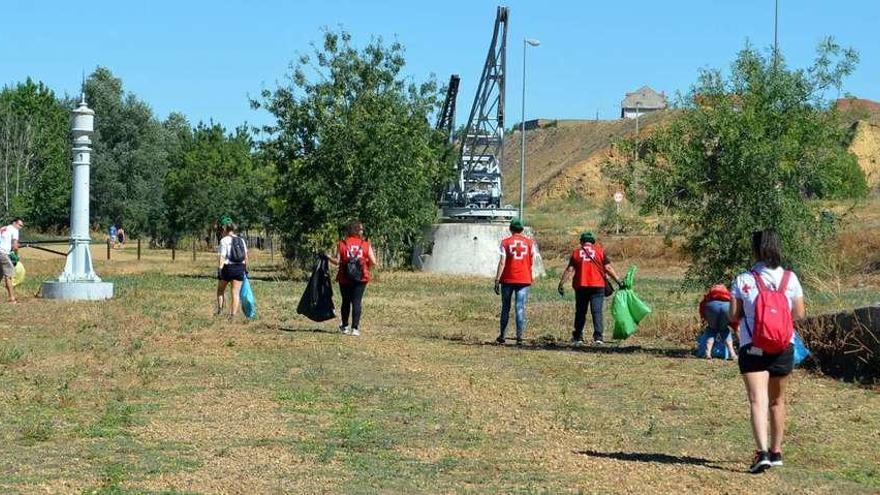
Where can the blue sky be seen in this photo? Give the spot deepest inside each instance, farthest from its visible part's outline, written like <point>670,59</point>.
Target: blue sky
<point>204,58</point>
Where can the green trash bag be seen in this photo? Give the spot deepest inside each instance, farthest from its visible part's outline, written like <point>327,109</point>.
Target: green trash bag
<point>624,325</point>
<point>627,309</point>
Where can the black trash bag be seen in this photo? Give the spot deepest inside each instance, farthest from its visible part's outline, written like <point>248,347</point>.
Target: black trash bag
<point>316,302</point>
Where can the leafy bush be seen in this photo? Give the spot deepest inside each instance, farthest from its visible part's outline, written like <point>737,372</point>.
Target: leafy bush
<point>746,153</point>
<point>619,221</point>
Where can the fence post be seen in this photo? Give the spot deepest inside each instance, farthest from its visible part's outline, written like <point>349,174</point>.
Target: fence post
<point>194,249</point>
<point>108,248</point>
<point>271,249</point>
<point>173,250</point>
<point>139,248</point>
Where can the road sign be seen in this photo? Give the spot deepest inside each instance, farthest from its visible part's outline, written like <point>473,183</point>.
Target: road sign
<point>618,197</point>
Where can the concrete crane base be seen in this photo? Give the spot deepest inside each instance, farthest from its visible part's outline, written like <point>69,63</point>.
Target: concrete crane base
<point>77,291</point>
<point>466,248</point>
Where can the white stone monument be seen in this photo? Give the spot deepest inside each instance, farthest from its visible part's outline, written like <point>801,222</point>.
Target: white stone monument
<point>79,281</point>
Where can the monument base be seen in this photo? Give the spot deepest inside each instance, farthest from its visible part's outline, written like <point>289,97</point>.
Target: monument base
<point>77,291</point>
<point>466,248</point>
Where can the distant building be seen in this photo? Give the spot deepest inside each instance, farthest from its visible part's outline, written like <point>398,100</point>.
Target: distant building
<point>641,101</point>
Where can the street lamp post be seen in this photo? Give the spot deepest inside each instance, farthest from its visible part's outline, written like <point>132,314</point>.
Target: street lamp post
<point>522,161</point>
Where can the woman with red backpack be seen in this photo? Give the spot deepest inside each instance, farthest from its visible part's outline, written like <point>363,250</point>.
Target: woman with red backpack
<point>354,257</point>
<point>767,299</point>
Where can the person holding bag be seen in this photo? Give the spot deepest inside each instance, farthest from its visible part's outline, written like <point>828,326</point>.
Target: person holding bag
<point>232,267</point>
<point>590,268</point>
<point>354,257</point>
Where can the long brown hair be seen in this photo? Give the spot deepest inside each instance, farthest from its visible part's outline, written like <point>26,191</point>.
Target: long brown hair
<point>767,247</point>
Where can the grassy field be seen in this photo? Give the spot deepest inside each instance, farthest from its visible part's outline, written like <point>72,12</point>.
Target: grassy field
<point>149,393</point>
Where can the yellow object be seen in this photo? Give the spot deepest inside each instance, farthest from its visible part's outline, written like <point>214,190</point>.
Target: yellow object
<point>19,274</point>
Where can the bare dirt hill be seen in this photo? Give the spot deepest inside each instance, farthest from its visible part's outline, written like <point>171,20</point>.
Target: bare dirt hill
<point>865,145</point>
<point>565,157</point>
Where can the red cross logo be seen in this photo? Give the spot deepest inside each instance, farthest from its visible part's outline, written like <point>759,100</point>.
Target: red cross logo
<point>588,252</point>
<point>747,288</point>
<point>518,249</point>
<point>355,252</point>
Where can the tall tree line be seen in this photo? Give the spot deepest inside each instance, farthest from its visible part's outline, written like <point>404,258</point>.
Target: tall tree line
<point>161,180</point>
<point>351,139</point>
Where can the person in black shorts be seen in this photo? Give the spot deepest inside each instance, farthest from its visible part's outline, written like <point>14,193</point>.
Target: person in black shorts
<point>230,268</point>
<point>765,375</point>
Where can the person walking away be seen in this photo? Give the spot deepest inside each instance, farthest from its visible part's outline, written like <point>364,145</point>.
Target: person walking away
<point>714,309</point>
<point>588,266</point>
<point>120,236</point>
<point>355,258</point>
<point>111,233</point>
<point>768,299</point>
<point>8,245</point>
<point>513,277</point>
<point>233,260</point>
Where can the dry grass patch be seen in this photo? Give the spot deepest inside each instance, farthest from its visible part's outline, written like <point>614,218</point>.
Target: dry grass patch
<point>149,393</point>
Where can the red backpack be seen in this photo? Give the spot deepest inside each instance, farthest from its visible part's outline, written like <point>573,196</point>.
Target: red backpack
<point>773,325</point>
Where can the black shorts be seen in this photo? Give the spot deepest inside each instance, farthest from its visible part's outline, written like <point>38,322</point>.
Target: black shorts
<point>776,364</point>
<point>232,271</point>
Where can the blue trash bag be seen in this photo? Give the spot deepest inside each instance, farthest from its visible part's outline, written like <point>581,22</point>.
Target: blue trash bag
<point>248,303</point>
<point>800,349</point>
<point>719,349</point>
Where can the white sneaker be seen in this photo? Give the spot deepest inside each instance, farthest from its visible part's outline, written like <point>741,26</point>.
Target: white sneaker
<point>343,329</point>
<point>577,342</point>
<point>355,332</point>
<point>598,342</point>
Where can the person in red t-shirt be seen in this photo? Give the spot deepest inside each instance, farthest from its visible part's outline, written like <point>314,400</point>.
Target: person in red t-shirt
<point>514,276</point>
<point>589,264</point>
<point>354,246</point>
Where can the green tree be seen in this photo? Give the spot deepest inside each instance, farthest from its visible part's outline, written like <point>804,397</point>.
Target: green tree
<point>130,157</point>
<point>747,152</point>
<point>214,174</point>
<point>352,139</point>
<point>34,155</point>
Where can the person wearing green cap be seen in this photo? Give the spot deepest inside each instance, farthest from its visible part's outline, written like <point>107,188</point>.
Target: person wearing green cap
<point>589,266</point>
<point>513,277</point>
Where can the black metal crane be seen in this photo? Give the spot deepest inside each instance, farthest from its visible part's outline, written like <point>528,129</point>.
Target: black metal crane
<point>446,118</point>
<point>477,191</point>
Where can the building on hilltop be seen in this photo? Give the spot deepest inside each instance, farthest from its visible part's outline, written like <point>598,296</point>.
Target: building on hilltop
<point>641,101</point>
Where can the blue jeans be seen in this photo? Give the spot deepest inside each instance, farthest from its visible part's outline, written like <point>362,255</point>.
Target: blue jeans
<point>716,318</point>
<point>521,292</point>
<point>586,298</point>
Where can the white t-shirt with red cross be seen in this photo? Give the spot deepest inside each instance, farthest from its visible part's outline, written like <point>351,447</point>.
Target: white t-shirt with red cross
<point>745,289</point>
<point>8,235</point>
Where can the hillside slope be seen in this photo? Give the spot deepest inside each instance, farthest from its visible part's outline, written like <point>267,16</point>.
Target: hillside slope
<point>565,157</point>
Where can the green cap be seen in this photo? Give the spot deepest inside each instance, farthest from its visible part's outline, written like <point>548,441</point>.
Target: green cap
<point>587,237</point>
<point>224,221</point>
<point>516,223</point>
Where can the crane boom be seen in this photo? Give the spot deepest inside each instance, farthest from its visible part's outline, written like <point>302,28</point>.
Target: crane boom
<point>477,191</point>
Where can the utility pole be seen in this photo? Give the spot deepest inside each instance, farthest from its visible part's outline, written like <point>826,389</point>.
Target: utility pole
<point>522,160</point>
<point>776,36</point>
